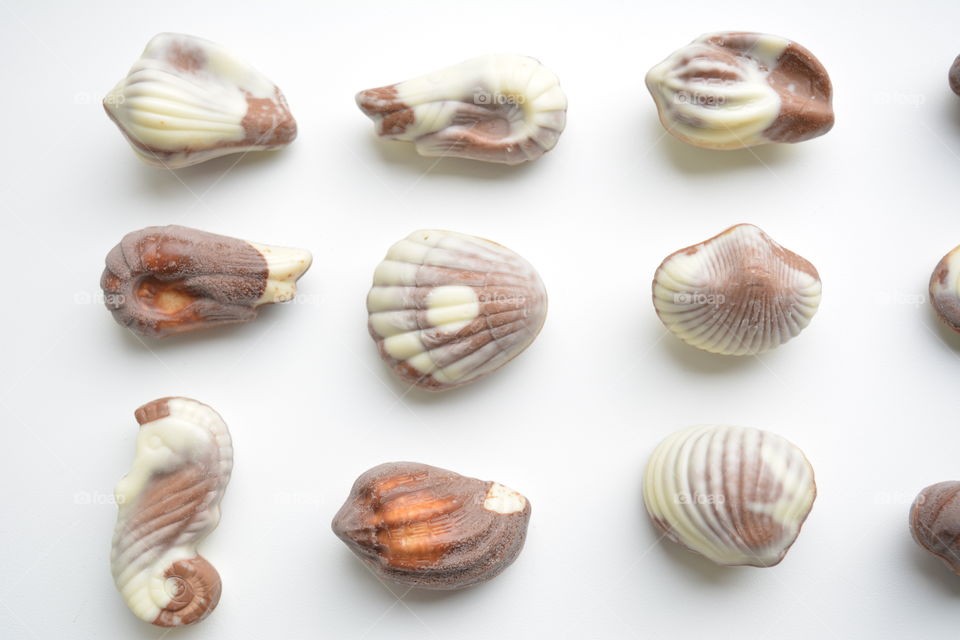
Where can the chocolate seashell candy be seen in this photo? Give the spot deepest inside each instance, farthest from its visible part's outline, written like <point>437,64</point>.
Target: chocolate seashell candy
<point>168,503</point>
<point>161,281</point>
<point>735,89</point>
<point>187,100</point>
<point>935,522</point>
<point>432,528</point>
<point>945,289</point>
<point>500,108</point>
<point>738,293</point>
<point>447,309</point>
<point>735,495</point>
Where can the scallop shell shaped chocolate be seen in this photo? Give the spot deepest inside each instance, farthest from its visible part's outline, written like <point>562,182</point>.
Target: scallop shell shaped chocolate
<point>161,281</point>
<point>738,293</point>
<point>935,522</point>
<point>497,108</point>
<point>432,528</point>
<point>168,503</point>
<point>187,100</point>
<point>733,494</point>
<point>945,289</point>
<point>733,90</point>
<point>447,308</point>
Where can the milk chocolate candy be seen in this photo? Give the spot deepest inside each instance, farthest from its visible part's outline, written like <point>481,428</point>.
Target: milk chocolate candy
<point>187,100</point>
<point>431,528</point>
<point>945,289</point>
<point>935,522</point>
<point>732,90</point>
<point>735,495</point>
<point>496,108</point>
<point>161,281</point>
<point>954,76</point>
<point>447,309</point>
<point>738,293</point>
<point>168,503</point>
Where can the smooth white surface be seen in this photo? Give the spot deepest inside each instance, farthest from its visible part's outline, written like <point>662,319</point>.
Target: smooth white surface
<point>868,391</point>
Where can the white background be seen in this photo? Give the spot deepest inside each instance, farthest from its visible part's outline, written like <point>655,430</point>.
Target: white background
<point>868,391</point>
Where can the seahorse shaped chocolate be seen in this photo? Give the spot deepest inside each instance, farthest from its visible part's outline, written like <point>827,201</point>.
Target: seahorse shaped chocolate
<point>168,503</point>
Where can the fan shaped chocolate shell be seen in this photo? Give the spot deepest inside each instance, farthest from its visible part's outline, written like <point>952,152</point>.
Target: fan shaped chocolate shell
<point>738,293</point>
<point>168,503</point>
<point>733,494</point>
<point>447,309</point>
<point>432,528</point>
<point>497,108</point>
<point>187,100</point>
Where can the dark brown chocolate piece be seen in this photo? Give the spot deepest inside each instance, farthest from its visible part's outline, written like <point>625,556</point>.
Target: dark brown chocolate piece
<point>432,528</point>
<point>935,522</point>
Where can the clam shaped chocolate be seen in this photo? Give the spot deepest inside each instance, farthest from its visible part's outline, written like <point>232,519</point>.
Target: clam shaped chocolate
<point>738,293</point>
<point>161,281</point>
<point>733,90</point>
<point>935,522</point>
<point>447,308</point>
<point>953,76</point>
<point>733,494</point>
<point>945,289</point>
<point>496,108</point>
<point>432,528</point>
<point>168,503</point>
<point>187,100</point>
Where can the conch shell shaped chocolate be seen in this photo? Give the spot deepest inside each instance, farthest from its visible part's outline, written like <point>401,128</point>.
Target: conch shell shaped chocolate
<point>733,494</point>
<point>935,522</point>
<point>945,289</point>
<point>738,293</point>
<point>733,90</point>
<point>168,503</point>
<point>187,100</point>
<point>432,528</point>
<point>496,108</point>
<point>161,281</point>
<point>447,308</point>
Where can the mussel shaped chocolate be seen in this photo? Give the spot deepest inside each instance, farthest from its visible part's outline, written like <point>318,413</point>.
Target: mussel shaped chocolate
<point>733,494</point>
<point>161,281</point>
<point>432,528</point>
<point>935,522</point>
<point>187,100</point>
<point>497,108</point>
<point>945,289</point>
<point>168,503</point>
<point>733,90</point>
<point>738,293</point>
<point>447,308</point>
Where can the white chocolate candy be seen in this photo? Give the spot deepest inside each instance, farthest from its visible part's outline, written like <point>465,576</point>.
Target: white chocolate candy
<point>496,108</point>
<point>738,293</point>
<point>733,494</point>
<point>187,100</point>
<point>168,503</point>
<point>447,308</point>
<point>735,90</point>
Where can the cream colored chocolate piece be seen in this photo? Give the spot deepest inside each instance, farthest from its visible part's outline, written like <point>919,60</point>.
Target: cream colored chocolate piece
<point>161,281</point>
<point>733,90</point>
<point>447,308</point>
<point>935,522</point>
<point>169,502</point>
<point>738,293</point>
<point>432,528</point>
<point>497,108</point>
<point>187,100</point>
<point>945,289</point>
<point>733,494</point>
